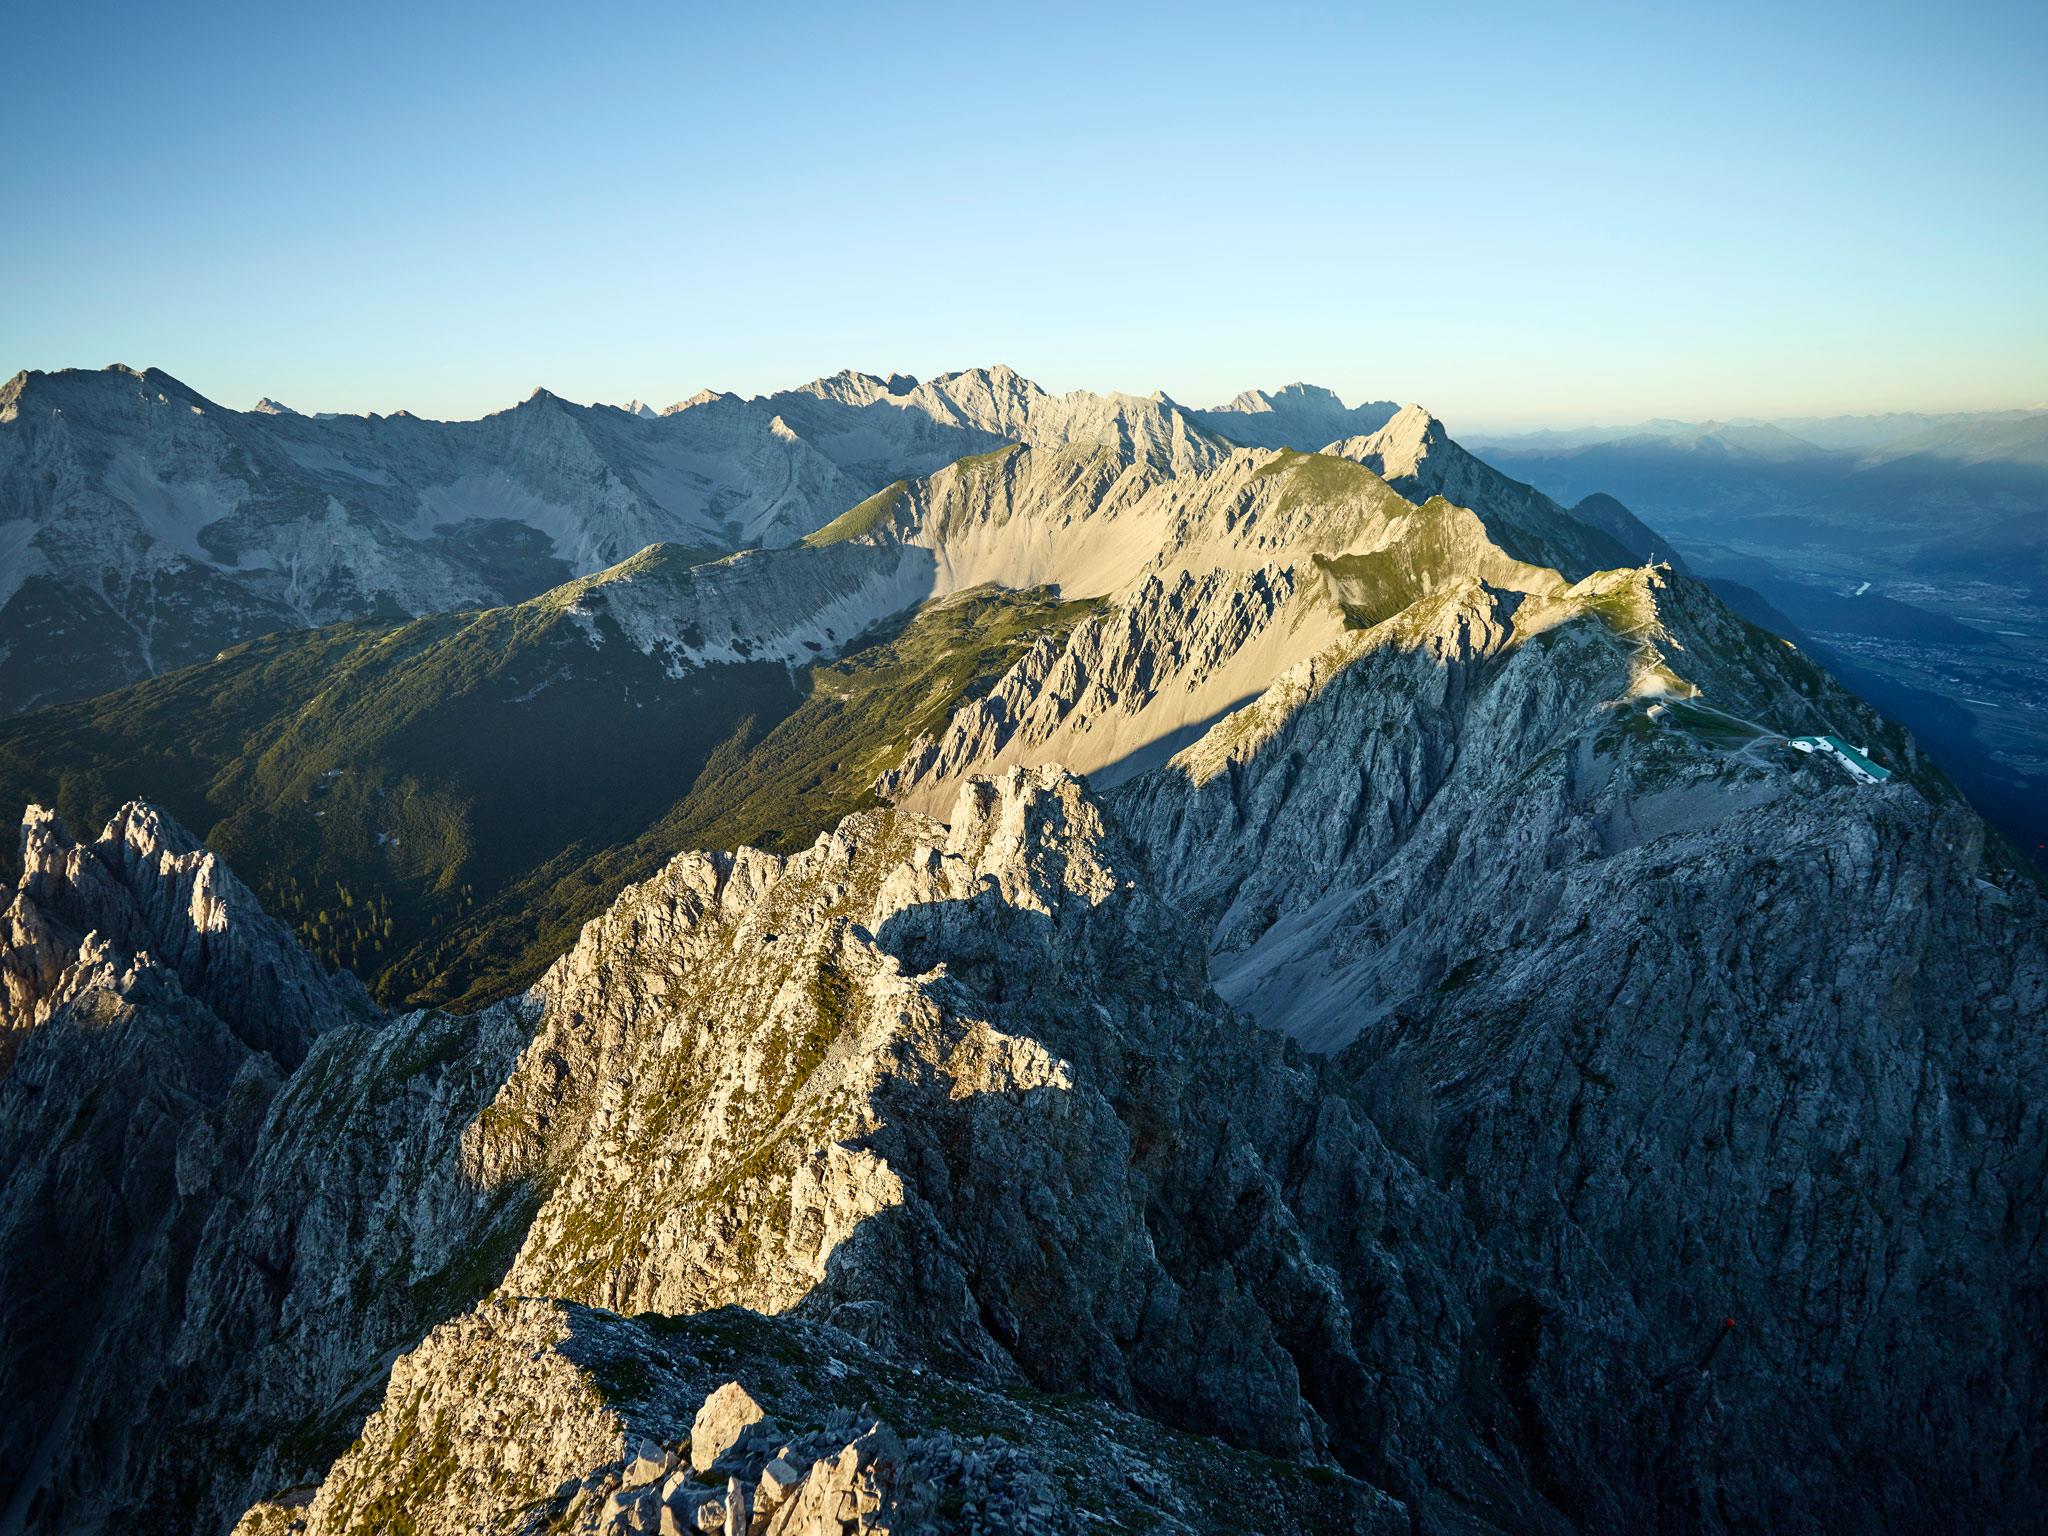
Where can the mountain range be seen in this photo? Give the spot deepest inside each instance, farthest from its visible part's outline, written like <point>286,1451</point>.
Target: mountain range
<point>439,769</point>
<point>1028,963</point>
<point>147,527</point>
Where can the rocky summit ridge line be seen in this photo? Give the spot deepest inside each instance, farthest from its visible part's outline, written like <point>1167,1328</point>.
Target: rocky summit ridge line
<point>954,1101</point>
<point>400,759</point>
<point>1451,1066</point>
<point>144,527</point>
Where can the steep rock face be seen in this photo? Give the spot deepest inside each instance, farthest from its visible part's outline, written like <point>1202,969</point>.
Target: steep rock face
<point>353,1225</point>
<point>200,1258</point>
<point>146,886</point>
<point>782,605</point>
<point>116,1108</point>
<point>769,1070</point>
<point>861,419</point>
<point>961,1091</point>
<point>1121,692</point>
<point>1455,707</point>
<point>202,1290</point>
<point>1197,819</point>
<point>1650,989</point>
<point>1196,629</point>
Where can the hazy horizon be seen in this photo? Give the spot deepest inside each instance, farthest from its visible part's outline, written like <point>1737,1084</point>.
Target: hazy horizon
<point>662,400</point>
<point>1518,219</point>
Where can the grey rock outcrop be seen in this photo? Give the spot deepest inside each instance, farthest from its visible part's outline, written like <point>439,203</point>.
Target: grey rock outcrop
<point>527,1415</point>
<point>1655,993</point>
<point>228,1188</point>
<point>147,887</point>
<point>1123,691</point>
<point>728,1416</point>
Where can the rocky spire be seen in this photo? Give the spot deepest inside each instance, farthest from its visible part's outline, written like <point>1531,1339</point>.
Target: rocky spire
<point>147,892</point>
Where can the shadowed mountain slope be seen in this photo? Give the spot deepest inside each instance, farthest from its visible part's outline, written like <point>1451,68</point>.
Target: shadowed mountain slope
<point>1455,1066</point>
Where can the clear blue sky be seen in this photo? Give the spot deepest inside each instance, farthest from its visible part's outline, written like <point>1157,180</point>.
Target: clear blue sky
<point>1514,214</point>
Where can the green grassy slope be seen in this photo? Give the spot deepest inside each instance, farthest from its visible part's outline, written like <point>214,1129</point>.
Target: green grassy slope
<point>774,783</point>
<point>862,519</point>
<point>438,804</point>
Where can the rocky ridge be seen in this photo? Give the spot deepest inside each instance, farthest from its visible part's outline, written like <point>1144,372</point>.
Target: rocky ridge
<point>1218,590</point>
<point>1300,416</point>
<point>958,1096</point>
<point>1643,1132</point>
<point>1092,520</point>
<point>638,1440</point>
<point>231,1187</point>
<point>146,892</point>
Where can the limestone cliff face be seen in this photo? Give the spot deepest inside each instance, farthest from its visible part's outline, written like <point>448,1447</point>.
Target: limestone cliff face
<point>146,886</point>
<point>227,1187</point>
<point>1217,587</point>
<point>1656,993</point>
<point>957,1103</point>
<point>115,1114</point>
<point>1124,691</point>
<point>884,1081</point>
<point>960,1092</point>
